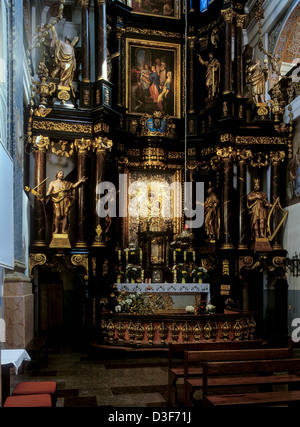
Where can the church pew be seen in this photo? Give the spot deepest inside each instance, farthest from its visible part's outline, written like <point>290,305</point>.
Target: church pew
<point>194,360</point>
<point>270,372</point>
<point>176,352</point>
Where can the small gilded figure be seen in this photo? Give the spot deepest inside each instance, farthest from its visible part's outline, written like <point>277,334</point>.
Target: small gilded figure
<point>212,215</point>
<point>258,207</point>
<point>257,77</point>
<point>61,195</point>
<point>65,59</point>
<point>212,74</point>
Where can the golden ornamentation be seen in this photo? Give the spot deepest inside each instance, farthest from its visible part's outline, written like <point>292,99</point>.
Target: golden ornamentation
<point>101,127</point>
<point>101,144</point>
<point>227,14</point>
<point>150,329</point>
<point>63,95</point>
<point>81,260</point>
<point>34,260</point>
<point>226,153</point>
<point>186,331</point>
<point>43,88</point>
<point>121,331</point>
<point>60,241</point>
<point>207,329</point>
<point>225,328</point>
<point>262,160</point>
<point>42,111</point>
<point>197,331</point>
<point>154,157</point>
<point>163,332</point>
<point>103,328</point>
<point>174,331</point>
<point>244,155</point>
<point>62,151</point>
<point>151,32</point>
<point>252,326</point>
<point>98,231</point>
<point>41,142</point>
<point>110,331</point>
<point>227,137</point>
<point>214,331</point>
<point>175,155</point>
<point>83,145</point>
<point>153,124</point>
<point>238,330</point>
<point>139,332</point>
<point>263,140</point>
<point>246,329</point>
<point>225,267</point>
<point>277,157</point>
<point>262,110</point>
<point>62,127</point>
<point>131,331</point>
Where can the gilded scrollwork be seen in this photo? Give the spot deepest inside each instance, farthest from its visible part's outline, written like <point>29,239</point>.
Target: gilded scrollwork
<point>81,260</point>
<point>34,260</point>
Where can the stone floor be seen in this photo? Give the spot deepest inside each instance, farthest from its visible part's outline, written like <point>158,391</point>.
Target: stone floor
<point>102,378</point>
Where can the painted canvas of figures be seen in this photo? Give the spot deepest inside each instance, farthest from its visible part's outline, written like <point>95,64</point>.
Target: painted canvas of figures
<point>153,78</point>
<point>293,177</point>
<point>165,8</point>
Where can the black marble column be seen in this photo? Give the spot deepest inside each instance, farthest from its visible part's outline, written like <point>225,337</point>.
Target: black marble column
<point>227,15</point>
<point>190,100</point>
<point>39,226</point>
<point>242,195</point>
<point>239,55</point>
<point>85,41</point>
<point>101,44</point>
<point>83,146</point>
<point>227,202</point>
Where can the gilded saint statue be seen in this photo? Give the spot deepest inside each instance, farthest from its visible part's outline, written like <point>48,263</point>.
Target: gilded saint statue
<point>65,59</point>
<point>257,77</point>
<point>258,207</point>
<point>212,74</point>
<point>212,215</point>
<point>60,192</point>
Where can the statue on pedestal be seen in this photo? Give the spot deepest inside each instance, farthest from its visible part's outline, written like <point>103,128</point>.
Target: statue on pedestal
<point>64,59</point>
<point>257,77</point>
<point>212,74</point>
<point>61,195</point>
<point>212,215</point>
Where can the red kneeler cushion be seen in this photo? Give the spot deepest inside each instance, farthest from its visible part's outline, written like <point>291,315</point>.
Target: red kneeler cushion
<point>35,387</point>
<point>28,401</point>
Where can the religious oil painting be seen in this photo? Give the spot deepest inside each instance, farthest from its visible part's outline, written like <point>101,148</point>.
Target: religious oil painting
<point>164,8</point>
<point>153,77</point>
<point>293,177</point>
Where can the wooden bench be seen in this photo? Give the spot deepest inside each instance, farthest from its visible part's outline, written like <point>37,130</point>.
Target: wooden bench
<point>35,348</point>
<point>176,359</point>
<point>270,372</point>
<point>194,363</point>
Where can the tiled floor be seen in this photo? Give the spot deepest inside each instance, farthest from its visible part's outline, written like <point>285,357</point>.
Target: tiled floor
<point>103,378</point>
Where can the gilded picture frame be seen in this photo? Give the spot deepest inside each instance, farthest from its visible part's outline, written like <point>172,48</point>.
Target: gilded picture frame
<point>153,77</point>
<point>163,8</point>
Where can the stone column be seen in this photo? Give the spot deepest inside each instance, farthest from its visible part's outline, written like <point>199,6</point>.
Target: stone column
<point>83,146</point>
<point>226,155</point>
<point>101,53</point>
<point>101,146</point>
<point>18,308</point>
<point>85,41</point>
<point>242,194</point>
<point>227,16</point>
<point>41,144</point>
<point>276,157</point>
<point>240,19</point>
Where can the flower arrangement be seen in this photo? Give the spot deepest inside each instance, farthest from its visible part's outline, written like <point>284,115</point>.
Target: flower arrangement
<point>199,273</point>
<point>210,308</point>
<point>133,272</point>
<point>137,303</point>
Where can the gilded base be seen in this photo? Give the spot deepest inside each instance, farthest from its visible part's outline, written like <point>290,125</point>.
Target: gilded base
<point>60,241</point>
<point>261,244</point>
